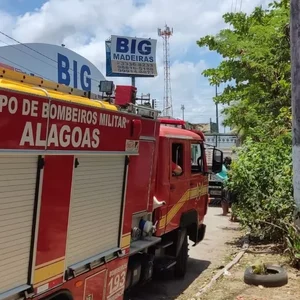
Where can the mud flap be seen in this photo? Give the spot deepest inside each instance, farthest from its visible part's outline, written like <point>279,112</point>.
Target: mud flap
<point>180,239</point>
<point>198,235</point>
<point>201,232</point>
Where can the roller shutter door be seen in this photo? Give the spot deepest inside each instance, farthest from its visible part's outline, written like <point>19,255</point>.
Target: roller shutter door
<point>95,206</point>
<point>17,193</point>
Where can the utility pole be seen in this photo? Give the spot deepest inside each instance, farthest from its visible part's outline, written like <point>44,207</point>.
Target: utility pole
<point>295,59</point>
<point>133,80</point>
<point>182,108</point>
<point>217,110</point>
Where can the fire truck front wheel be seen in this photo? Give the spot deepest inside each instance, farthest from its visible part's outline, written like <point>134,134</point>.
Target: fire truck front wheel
<point>181,260</point>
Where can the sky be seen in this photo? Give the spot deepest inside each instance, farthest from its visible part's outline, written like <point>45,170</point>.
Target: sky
<point>84,25</point>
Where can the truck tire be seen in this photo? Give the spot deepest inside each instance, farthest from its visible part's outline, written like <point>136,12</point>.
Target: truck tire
<point>181,260</point>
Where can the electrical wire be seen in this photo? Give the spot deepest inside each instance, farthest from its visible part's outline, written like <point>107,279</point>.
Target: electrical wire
<point>241,5</point>
<point>235,8</point>
<point>13,46</point>
<point>38,52</point>
<point>231,6</point>
<point>24,68</point>
<point>27,46</point>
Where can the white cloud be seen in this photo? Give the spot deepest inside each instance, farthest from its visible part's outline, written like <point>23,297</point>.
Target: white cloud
<point>84,25</point>
<point>7,22</point>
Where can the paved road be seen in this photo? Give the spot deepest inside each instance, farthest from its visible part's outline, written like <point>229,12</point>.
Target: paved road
<point>205,255</point>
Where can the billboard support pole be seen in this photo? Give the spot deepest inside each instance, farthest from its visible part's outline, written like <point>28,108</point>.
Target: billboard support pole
<point>133,81</point>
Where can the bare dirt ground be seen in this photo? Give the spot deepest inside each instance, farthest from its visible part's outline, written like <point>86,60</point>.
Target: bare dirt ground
<point>232,287</point>
<point>205,260</point>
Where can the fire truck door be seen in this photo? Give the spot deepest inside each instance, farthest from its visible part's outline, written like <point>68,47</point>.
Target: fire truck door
<point>18,176</point>
<point>179,184</point>
<point>197,189</point>
<point>96,204</point>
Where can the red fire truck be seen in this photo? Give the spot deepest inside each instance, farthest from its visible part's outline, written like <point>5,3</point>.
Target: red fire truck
<point>89,206</point>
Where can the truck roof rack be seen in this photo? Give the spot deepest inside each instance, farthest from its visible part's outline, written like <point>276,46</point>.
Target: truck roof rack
<point>182,123</point>
<point>141,110</point>
<point>47,84</point>
<point>168,121</point>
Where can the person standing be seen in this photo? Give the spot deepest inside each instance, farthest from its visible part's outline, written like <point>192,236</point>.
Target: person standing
<point>223,175</point>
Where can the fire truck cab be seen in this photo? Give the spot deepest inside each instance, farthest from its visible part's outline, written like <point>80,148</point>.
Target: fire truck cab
<point>184,148</point>
<point>89,205</point>
<point>179,202</point>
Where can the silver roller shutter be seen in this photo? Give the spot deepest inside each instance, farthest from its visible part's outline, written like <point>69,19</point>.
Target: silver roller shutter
<point>17,193</point>
<point>95,206</point>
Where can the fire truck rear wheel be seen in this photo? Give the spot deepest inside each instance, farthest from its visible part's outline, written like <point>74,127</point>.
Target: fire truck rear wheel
<point>181,260</point>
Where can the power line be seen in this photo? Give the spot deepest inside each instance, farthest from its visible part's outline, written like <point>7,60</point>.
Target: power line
<point>13,46</point>
<point>38,52</point>
<point>24,68</point>
<point>231,6</point>
<point>27,46</point>
<point>236,2</point>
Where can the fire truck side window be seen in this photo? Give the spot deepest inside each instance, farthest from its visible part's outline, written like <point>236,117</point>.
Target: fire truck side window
<point>177,155</point>
<point>196,154</point>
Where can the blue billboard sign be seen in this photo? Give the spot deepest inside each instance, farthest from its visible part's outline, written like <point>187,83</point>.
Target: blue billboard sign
<point>130,57</point>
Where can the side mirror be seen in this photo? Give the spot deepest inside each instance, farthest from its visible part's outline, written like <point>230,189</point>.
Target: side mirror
<point>217,162</point>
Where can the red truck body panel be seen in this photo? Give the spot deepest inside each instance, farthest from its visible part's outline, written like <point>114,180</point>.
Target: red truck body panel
<point>53,220</point>
<point>141,178</point>
<point>99,283</point>
<point>65,137</point>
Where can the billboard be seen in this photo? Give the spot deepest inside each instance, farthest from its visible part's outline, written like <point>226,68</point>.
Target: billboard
<point>222,140</point>
<point>130,57</point>
<point>52,62</point>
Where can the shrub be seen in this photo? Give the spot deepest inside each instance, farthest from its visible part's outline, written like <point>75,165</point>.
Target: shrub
<point>261,177</point>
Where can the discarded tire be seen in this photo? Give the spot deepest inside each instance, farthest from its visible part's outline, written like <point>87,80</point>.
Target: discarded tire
<point>276,277</point>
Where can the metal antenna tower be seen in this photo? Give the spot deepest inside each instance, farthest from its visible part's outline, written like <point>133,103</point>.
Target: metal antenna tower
<point>166,33</point>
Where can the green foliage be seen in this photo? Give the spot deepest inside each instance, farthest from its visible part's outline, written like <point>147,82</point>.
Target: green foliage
<point>256,69</point>
<point>259,268</point>
<point>293,244</point>
<point>262,178</point>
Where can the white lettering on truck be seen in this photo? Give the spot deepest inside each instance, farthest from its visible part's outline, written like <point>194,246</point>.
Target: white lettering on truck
<point>116,283</point>
<point>11,103</point>
<point>63,137</point>
<point>69,114</point>
<point>112,121</point>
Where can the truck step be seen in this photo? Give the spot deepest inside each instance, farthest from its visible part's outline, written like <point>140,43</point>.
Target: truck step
<point>164,245</point>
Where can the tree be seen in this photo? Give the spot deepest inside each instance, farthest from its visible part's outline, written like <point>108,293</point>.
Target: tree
<point>256,69</point>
